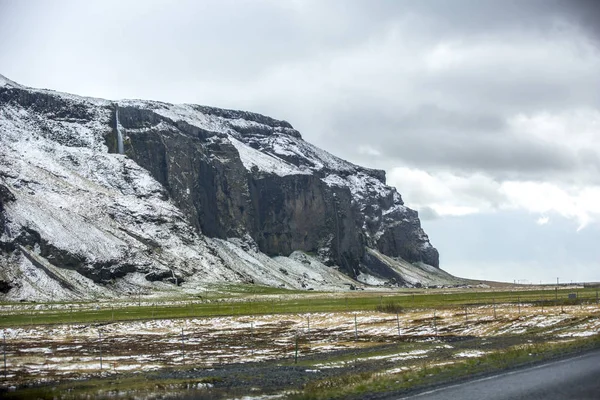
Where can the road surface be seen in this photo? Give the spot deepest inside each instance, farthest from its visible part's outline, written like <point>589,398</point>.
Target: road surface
<point>573,378</point>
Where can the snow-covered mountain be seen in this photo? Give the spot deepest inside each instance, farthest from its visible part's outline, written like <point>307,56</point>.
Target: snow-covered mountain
<point>102,198</point>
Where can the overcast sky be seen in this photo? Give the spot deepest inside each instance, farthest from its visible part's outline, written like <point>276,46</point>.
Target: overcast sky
<point>485,114</point>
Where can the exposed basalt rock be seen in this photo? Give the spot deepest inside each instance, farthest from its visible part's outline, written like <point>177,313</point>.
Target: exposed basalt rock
<point>99,272</point>
<point>46,104</point>
<point>405,238</point>
<point>300,212</point>
<point>5,286</point>
<point>165,276</point>
<point>5,197</point>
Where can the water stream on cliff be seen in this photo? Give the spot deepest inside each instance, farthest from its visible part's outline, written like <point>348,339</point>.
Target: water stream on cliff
<point>119,134</point>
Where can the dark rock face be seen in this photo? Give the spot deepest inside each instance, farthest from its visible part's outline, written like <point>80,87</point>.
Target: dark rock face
<point>204,173</point>
<point>99,272</point>
<point>300,212</point>
<point>404,240</point>
<point>5,197</point>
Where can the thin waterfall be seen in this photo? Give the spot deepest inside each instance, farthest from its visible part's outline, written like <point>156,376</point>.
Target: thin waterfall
<point>119,134</point>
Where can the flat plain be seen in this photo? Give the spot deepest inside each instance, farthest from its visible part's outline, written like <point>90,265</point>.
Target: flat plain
<point>236,341</point>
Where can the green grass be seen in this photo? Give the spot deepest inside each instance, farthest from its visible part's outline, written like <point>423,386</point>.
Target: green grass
<point>132,386</point>
<point>237,289</point>
<point>355,385</point>
<point>308,302</point>
<point>365,353</point>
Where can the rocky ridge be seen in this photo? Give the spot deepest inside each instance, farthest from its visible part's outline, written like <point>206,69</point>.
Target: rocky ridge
<point>199,195</point>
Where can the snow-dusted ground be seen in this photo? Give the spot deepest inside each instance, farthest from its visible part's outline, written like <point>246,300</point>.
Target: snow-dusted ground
<point>37,352</point>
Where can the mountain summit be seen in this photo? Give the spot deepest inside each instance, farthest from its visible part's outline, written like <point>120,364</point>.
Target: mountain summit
<point>102,198</point>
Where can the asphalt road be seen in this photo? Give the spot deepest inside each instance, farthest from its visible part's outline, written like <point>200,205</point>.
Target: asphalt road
<point>573,378</point>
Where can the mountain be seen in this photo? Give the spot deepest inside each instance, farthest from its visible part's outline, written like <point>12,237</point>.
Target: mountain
<point>105,198</point>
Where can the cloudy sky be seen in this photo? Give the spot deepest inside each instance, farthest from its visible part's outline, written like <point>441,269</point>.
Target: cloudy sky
<point>485,114</point>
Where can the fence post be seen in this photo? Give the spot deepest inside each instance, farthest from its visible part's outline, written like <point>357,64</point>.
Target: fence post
<point>182,347</point>
<point>252,337</point>
<point>355,328</point>
<point>4,352</point>
<point>466,314</point>
<point>434,323</point>
<point>519,304</point>
<point>296,352</point>
<point>100,339</point>
<point>494,304</point>
<point>398,322</point>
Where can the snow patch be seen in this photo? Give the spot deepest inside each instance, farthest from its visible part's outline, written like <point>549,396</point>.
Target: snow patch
<point>252,158</point>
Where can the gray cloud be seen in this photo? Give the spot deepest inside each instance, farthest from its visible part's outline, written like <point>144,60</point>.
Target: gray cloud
<point>428,214</point>
<point>585,13</point>
<point>437,139</point>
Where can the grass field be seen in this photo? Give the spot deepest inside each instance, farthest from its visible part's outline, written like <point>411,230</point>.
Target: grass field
<point>284,343</point>
<point>254,300</point>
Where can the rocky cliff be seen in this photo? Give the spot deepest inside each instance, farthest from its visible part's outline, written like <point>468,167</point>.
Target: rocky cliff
<point>99,195</point>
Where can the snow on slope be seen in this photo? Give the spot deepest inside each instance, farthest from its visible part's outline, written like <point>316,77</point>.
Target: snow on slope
<point>275,148</point>
<point>264,162</point>
<point>418,273</point>
<point>106,212</point>
<point>4,81</point>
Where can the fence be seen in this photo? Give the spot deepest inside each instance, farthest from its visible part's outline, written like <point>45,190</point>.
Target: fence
<point>73,349</point>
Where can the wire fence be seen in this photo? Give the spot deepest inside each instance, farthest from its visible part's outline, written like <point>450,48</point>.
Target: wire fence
<point>87,349</point>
